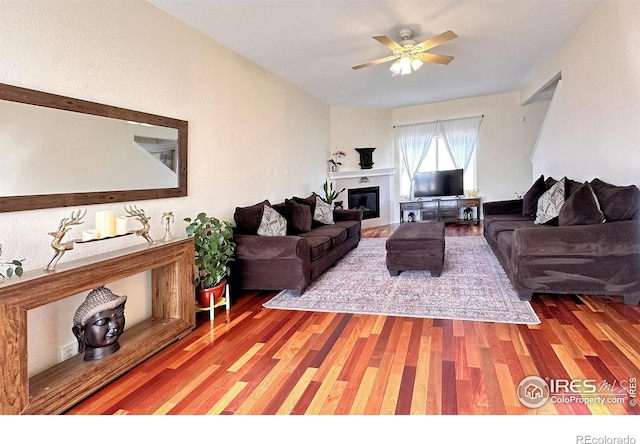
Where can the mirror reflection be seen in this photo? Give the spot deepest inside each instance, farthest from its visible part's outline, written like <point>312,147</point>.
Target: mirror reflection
<point>72,153</point>
<point>58,151</point>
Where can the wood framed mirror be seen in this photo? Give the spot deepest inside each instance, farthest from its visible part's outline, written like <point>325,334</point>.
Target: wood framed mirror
<point>57,151</point>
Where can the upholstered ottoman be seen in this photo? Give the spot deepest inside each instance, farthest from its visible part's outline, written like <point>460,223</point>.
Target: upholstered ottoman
<point>416,246</point>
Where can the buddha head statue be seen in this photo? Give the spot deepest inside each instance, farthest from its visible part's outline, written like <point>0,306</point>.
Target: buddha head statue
<point>98,323</point>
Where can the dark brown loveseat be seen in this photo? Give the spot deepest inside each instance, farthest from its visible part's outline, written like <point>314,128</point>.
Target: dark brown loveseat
<point>290,261</point>
<point>591,247</point>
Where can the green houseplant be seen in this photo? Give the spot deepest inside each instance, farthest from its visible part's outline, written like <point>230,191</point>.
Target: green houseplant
<point>214,250</point>
<point>14,267</point>
<point>329,193</point>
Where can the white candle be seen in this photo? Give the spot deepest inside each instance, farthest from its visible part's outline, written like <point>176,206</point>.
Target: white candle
<point>105,224</point>
<point>121,225</point>
<point>89,235</point>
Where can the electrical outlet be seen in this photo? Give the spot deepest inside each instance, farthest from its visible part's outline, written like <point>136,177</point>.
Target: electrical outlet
<point>68,351</point>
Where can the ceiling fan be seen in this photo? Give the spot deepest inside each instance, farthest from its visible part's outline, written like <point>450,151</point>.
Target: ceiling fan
<point>409,55</point>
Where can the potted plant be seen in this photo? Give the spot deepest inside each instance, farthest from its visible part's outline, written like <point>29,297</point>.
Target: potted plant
<point>14,267</point>
<point>333,163</point>
<point>214,250</point>
<point>329,193</point>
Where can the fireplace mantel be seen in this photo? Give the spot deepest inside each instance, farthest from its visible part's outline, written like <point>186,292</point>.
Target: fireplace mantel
<point>363,173</point>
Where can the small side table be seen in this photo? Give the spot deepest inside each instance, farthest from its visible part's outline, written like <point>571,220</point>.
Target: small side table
<point>224,300</point>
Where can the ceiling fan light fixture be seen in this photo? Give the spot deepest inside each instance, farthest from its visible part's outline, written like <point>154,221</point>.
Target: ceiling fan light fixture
<point>409,55</point>
<point>395,68</point>
<point>405,65</point>
<point>416,64</point>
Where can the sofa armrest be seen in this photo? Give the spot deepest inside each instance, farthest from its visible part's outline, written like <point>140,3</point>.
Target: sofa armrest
<point>340,215</point>
<point>272,263</point>
<point>250,247</point>
<point>601,259</point>
<point>513,206</point>
<point>609,239</point>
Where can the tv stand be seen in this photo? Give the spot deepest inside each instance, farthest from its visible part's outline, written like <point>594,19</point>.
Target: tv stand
<point>452,210</point>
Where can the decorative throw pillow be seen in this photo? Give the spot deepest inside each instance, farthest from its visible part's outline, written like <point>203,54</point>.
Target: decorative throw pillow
<point>311,200</point>
<point>550,181</point>
<point>272,223</point>
<point>248,219</point>
<point>530,199</point>
<point>581,208</point>
<point>617,202</point>
<point>323,212</point>
<point>298,216</point>
<point>550,203</point>
<point>571,186</point>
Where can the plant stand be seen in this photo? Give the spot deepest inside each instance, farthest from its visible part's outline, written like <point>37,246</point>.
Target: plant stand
<point>224,300</point>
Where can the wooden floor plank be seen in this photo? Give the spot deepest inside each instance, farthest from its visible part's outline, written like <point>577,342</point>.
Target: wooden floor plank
<point>324,391</point>
<point>394,383</point>
<point>365,389</point>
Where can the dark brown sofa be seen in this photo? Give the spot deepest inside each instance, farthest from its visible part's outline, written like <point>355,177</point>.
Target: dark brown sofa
<point>293,260</point>
<point>591,247</point>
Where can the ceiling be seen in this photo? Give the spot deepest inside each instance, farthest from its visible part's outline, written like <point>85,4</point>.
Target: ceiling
<point>314,44</point>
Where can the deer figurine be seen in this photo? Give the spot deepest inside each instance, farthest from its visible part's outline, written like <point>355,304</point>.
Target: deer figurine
<point>57,244</point>
<point>133,211</point>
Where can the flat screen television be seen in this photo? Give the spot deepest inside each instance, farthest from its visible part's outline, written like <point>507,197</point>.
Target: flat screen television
<point>438,183</point>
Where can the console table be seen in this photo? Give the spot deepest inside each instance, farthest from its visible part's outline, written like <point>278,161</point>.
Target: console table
<point>445,209</point>
<point>63,385</point>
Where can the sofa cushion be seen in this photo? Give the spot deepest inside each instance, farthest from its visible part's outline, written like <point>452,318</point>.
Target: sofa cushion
<point>570,187</point>
<point>581,208</point>
<point>352,227</point>
<point>248,219</point>
<point>617,202</point>
<point>311,200</point>
<point>272,223</point>
<point>550,203</point>
<point>530,198</point>
<point>336,234</point>
<point>323,212</point>
<point>318,245</point>
<point>298,217</point>
<point>493,230</point>
<point>280,208</point>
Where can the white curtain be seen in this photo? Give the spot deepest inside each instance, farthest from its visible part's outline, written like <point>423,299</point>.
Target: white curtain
<point>461,136</point>
<point>413,142</point>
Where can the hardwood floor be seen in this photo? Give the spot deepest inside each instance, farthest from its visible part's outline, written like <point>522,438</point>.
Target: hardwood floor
<point>255,361</point>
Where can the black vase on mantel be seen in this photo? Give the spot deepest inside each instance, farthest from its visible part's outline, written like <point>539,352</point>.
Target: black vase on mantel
<point>366,157</point>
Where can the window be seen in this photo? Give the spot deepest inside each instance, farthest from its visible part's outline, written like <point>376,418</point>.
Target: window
<point>452,145</point>
<point>438,158</point>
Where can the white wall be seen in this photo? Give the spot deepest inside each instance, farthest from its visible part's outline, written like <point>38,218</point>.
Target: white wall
<point>362,128</point>
<point>593,125</point>
<point>507,135</point>
<point>251,135</point>
<point>366,128</point>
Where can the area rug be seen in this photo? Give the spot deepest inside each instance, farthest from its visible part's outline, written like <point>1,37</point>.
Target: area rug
<point>473,286</point>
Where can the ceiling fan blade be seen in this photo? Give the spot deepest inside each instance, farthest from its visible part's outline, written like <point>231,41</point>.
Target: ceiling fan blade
<point>386,41</point>
<point>375,62</point>
<point>435,58</point>
<point>435,41</point>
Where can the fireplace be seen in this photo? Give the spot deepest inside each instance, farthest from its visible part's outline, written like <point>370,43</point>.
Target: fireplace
<point>365,199</point>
